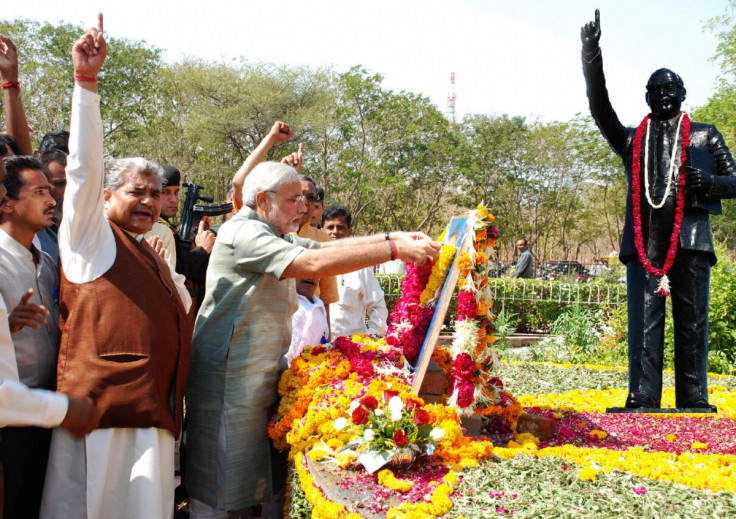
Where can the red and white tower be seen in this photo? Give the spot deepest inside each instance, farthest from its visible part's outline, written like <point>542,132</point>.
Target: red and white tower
<point>451,99</point>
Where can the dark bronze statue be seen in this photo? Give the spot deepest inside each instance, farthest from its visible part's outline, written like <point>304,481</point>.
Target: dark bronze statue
<point>677,171</point>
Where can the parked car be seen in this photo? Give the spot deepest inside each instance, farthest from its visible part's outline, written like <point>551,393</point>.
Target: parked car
<point>557,268</point>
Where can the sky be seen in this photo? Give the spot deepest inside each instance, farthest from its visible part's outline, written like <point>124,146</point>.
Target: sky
<point>520,58</point>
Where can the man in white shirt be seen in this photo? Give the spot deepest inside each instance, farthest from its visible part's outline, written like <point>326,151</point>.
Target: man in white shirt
<point>20,405</point>
<point>28,276</point>
<point>360,293</point>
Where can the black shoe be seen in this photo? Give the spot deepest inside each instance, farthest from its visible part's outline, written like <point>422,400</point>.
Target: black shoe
<point>639,400</point>
<point>699,404</point>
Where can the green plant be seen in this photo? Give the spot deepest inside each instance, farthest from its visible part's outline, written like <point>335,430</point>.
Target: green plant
<point>505,324</point>
<point>722,313</point>
<point>579,326</point>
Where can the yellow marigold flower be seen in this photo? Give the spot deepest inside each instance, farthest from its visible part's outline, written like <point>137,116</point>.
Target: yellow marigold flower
<point>345,458</point>
<point>464,263</point>
<point>671,437</point>
<point>588,474</point>
<point>451,478</point>
<point>525,438</point>
<point>482,211</point>
<point>699,446</point>
<point>601,435</point>
<point>387,479</point>
<point>334,444</point>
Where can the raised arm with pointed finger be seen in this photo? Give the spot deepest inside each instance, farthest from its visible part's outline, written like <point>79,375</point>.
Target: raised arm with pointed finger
<point>590,34</point>
<point>296,159</point>
<point>280,132</point>
<point>15,116</point>
<point>88,55</point>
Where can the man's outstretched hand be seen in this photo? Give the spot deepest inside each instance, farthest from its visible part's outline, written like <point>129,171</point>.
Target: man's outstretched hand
<point>89,51</point>
<point>590,33</point>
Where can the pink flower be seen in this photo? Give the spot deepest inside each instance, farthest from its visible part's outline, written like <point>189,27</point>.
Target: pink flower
<point>364,368</point>
<point>465,394</point>
<point>466,306</point>
<point>463,367</point>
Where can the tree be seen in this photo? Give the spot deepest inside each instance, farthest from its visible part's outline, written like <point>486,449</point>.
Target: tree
<point>129,80</point>
<point>721,110</point>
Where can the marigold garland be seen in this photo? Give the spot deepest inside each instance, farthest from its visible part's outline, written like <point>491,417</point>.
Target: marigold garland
<point>473,390</point>
<point>387,479</point>
<point>439,272</point>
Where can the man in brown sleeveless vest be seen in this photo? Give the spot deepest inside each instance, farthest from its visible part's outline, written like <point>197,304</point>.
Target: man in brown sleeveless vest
<point>125,333</point>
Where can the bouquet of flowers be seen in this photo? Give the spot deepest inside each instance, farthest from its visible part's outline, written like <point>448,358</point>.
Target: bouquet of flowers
<point>392,431</point>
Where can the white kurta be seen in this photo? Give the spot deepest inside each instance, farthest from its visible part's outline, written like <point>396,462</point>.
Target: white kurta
<point>118,472</point>
<point>20,405</point>
<point>36,350</point>
<point>360,296</point>
<point>308,326</point>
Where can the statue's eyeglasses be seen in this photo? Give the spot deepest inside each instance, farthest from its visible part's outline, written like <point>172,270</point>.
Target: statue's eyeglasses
<point>667,88</point>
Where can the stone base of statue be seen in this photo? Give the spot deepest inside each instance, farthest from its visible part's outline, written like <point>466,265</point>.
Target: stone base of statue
<point>542,428</point>
<point>662,410</point>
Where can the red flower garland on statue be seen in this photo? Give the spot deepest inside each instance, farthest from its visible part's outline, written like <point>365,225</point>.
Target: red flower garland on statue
<point>663,289</point>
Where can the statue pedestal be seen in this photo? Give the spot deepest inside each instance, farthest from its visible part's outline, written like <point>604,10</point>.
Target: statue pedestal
<point>434,384</point>
<point>660,410</point>
<point>542,428</point>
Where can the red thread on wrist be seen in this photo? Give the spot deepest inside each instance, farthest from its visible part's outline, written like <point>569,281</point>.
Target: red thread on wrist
<point>11,84</point>
<point>82,77</point>
<point>394,252</point>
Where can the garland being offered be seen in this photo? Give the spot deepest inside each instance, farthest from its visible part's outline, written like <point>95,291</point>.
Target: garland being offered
<point>663,288</point>
<point>473,388</point>
<point>413,312</point>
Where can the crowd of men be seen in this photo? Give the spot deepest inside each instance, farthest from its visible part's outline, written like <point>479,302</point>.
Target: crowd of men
<point>108,319</point>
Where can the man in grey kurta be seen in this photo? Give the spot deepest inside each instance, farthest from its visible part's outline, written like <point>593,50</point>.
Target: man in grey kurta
<point>243,331</point>
<point>237,351</point>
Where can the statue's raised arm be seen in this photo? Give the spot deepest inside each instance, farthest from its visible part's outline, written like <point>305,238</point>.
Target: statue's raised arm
<point>590,33</point>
